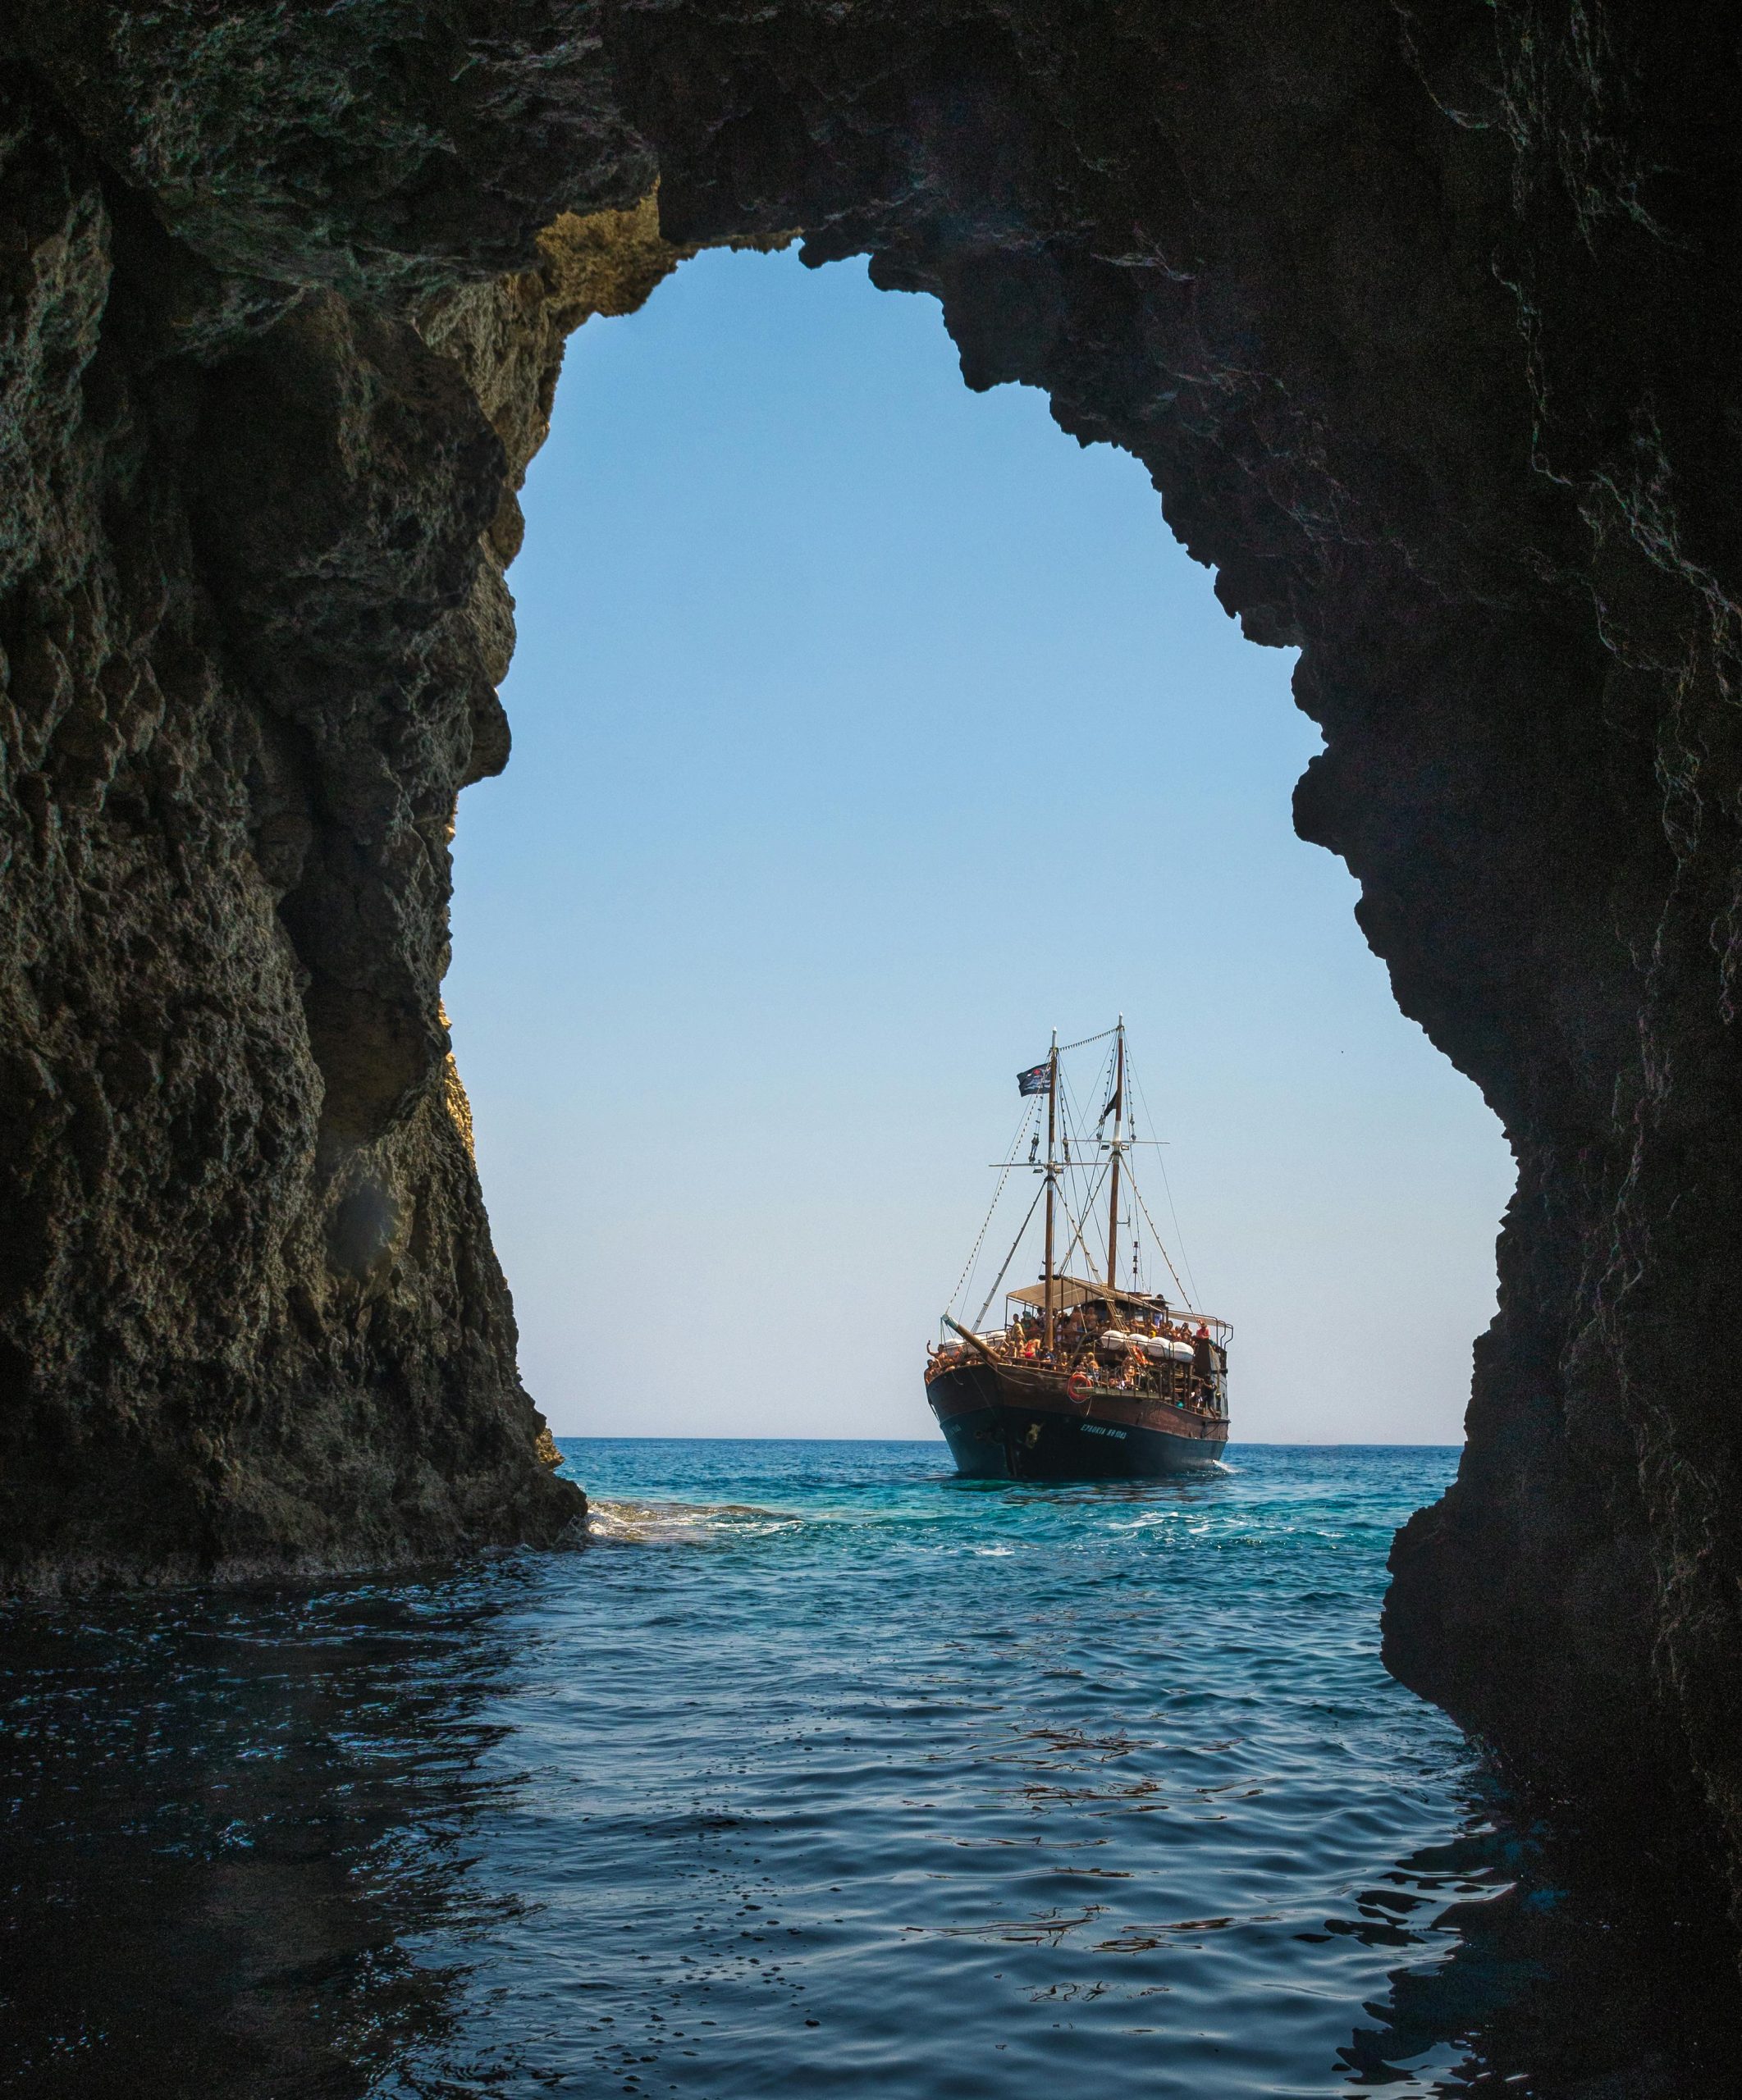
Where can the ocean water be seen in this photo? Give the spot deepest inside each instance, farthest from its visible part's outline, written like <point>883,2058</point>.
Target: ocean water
<point>819,1772</point>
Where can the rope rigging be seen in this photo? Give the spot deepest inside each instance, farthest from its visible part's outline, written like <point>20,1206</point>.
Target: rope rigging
<point>1009,1258</point>
<point>1188,1296</point>
<point>1179,1237</point>
<point>1080,1180</point>
<point>967,1267</point>
<point>1082,1042</point>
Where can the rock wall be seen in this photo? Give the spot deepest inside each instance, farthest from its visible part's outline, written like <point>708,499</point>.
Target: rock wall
<point>1424,322</point>
<point>250,1316</point>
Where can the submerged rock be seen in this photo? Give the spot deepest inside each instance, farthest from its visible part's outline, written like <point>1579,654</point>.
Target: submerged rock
<point>1426,326</point>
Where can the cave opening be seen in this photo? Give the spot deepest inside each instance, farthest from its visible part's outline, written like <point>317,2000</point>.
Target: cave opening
<point>864,727</point>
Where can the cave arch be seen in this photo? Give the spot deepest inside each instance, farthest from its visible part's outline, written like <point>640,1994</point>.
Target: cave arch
<point>1424,330</point>
<point>840,695</point>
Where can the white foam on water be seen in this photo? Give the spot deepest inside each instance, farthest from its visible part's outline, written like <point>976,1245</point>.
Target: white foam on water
<point>682,1523</point>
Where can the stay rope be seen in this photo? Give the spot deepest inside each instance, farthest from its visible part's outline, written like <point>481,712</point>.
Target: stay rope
<point>1083,1041</point>
<point>1162,1243</point>
<point>1010,1257</point>
<point>1179,1237</point>
<point>968,1266</point>
<point>1077,1237</point>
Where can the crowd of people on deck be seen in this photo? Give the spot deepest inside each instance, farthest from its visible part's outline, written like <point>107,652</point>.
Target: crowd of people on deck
<point>1076,1336</point>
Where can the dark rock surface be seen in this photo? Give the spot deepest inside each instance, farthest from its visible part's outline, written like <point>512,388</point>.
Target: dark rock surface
<point>1425,322</point>
<point>250,1316</point>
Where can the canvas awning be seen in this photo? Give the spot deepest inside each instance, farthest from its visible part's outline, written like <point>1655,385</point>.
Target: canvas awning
<point>1067,1292</point>
<point>1072,1290</point>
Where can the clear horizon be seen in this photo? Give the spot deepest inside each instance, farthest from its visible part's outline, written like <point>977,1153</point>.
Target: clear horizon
<point>1270,1443</point>
<point>866,729</point>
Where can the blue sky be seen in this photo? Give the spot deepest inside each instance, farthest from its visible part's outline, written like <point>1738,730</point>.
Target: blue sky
<point>866,729</point>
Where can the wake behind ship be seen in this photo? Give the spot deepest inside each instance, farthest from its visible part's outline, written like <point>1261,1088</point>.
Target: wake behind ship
<point>1090,1377</point>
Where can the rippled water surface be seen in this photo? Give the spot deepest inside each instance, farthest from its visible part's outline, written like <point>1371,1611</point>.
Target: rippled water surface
<point>820,1773</point>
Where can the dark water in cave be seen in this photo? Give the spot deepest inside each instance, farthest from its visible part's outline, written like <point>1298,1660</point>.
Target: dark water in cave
<point>821,1773</point>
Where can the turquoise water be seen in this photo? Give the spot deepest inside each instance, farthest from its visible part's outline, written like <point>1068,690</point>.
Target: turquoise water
<point>819,1772</point>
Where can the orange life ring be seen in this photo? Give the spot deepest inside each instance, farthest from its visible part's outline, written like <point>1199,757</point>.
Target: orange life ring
<point>1079,1378</point>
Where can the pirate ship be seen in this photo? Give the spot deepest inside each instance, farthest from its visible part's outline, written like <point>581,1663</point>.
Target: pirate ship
<point>1090,1377</point>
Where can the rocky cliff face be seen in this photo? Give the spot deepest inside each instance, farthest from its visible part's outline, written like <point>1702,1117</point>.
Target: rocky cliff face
<point>1424,324</point>
<point>251,1317</point>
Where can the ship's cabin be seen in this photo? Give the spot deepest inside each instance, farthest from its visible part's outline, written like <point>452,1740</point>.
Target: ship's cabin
<point>1123,1341</point>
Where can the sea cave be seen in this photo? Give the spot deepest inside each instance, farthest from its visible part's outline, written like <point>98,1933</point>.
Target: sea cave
<point>1423,323</point>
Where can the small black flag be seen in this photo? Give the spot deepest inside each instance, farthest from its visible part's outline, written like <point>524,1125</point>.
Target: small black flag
<point>1112,1107</point>
<point>1038,1079</point>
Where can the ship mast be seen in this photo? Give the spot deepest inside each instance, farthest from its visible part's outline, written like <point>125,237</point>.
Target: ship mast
<point>1052,1124</point>
<point>1113,1200</point>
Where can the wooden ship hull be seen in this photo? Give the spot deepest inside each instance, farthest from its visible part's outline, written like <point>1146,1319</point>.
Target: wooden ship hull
<point>1024,1422</point>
